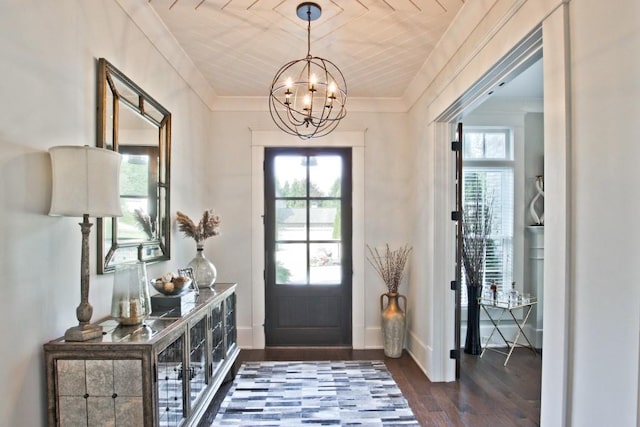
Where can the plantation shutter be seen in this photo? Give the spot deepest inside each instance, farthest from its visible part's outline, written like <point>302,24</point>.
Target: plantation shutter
<point>493,186</point>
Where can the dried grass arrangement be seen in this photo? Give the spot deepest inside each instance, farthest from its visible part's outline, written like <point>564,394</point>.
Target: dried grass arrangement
<point>390,265</point>
<point>145,222</point>
<point>208,226</point>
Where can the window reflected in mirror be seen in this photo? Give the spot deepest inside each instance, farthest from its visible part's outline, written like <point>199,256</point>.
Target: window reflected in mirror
<point>139,128</point>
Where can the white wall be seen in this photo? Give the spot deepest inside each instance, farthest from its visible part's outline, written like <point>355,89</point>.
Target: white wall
<point>386,208</point>
<point>533,269</point>
<point>48,87</point>
<point>605,174</point>
<point>534,161</point>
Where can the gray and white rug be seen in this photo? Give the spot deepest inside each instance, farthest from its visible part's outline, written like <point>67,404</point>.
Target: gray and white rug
<point>337,393</point>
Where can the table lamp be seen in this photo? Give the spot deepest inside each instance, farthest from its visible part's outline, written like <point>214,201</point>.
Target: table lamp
<point>86,182</point>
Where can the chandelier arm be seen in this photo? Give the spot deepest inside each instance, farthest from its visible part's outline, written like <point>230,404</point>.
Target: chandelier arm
<point>292,118</point>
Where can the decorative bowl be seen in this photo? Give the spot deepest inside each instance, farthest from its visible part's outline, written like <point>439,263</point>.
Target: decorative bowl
<point>177,286</point>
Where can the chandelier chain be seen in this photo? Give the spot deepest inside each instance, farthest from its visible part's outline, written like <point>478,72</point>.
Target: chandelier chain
<point>309,32</point>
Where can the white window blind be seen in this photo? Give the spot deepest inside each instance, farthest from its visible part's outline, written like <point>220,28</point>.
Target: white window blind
<point>488,184</point>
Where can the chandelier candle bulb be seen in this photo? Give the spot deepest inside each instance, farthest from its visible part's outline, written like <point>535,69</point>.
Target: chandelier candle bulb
<point>313,81</point>
<point>332,91</point>
<point>287,94</point>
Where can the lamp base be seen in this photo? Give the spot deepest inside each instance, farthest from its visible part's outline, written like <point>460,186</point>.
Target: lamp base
<point>83,332</point>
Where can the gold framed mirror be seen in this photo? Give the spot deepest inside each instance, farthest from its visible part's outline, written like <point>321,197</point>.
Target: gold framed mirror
<point>134,124</point>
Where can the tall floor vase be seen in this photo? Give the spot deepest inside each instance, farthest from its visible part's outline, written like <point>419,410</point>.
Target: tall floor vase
<point>472,342</point>
<point>204,272</point>
<point>393,324</point>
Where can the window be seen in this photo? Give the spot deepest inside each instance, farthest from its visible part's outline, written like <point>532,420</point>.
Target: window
<point>138,193</point>
<point>488,183</point>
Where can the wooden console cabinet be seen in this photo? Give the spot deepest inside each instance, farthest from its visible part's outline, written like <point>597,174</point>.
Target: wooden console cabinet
<point>161,373</point>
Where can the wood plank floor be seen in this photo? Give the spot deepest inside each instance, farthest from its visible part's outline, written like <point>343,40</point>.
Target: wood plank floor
<point>488,394</point>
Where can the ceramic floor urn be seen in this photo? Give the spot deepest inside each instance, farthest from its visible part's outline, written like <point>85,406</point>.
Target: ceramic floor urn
<point>389,264</point>
<point>393,323</point>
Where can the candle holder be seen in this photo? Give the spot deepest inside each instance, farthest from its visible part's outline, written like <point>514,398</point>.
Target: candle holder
<point>131,303</point>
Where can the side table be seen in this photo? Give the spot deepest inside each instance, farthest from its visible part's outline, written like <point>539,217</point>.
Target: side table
<point>504,307</point>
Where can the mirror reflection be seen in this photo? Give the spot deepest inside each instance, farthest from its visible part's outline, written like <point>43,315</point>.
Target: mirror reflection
<point>139,128</point>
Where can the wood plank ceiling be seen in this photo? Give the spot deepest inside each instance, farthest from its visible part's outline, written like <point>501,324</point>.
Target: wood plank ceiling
<point>238,45</point>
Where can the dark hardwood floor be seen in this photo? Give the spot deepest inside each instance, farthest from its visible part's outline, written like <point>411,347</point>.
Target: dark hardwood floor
<point>488,394</point>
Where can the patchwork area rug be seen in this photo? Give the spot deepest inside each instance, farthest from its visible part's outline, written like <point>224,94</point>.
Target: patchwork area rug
<point>337,393</point>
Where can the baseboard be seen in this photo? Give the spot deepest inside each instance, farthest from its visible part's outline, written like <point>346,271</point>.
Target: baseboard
<point>373,338</point>
<point>245,338</point>
<point>419,352</point>
<point>253,338</point>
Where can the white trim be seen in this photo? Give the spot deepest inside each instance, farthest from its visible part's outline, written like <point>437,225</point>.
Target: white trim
<point>262,139</point>
<point>418,350</point>
<point>441,367</point>
<point>557,339</point>
<point>553,15</point>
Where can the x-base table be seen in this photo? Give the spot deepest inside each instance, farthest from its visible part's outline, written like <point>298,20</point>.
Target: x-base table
<point>506,307</point>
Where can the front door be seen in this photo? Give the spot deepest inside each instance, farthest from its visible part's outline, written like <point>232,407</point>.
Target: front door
<point>308,246</point>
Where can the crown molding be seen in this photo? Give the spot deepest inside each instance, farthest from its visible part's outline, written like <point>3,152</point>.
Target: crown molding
<point>148,21</point>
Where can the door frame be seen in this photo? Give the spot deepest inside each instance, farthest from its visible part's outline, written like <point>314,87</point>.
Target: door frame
<point>557,341</point>
<point>261,139</point>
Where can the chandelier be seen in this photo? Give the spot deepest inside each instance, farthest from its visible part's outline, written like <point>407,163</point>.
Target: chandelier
<point>308,95</point>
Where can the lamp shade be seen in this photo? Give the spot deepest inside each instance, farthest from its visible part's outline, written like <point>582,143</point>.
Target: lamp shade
<point>86,181</point>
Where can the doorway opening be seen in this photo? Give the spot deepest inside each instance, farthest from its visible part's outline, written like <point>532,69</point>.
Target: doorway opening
<point>502,156</point>
<point>507,126</point>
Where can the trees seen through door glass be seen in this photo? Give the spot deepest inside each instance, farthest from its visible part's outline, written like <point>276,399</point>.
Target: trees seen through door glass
<point>308,232</point>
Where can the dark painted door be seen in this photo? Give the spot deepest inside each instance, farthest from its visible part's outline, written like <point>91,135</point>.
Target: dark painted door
<point>308,246</point>
<point>457,148</point>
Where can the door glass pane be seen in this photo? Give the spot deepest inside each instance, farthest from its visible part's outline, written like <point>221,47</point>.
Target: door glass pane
<point>290,176</point>
<point>291,263</point>
<point>170,373</point>
<point>230,322</point>
<point>291,219</point>
<point>324,218</point>
<point>197,360</point>
<point>325,176</point>
<point>325,264</point>
<point>217,338</point>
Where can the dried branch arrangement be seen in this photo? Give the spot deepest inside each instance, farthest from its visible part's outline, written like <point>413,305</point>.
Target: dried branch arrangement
<point>208,226</point>
<point>390,265</point>
<point>476,229</point>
